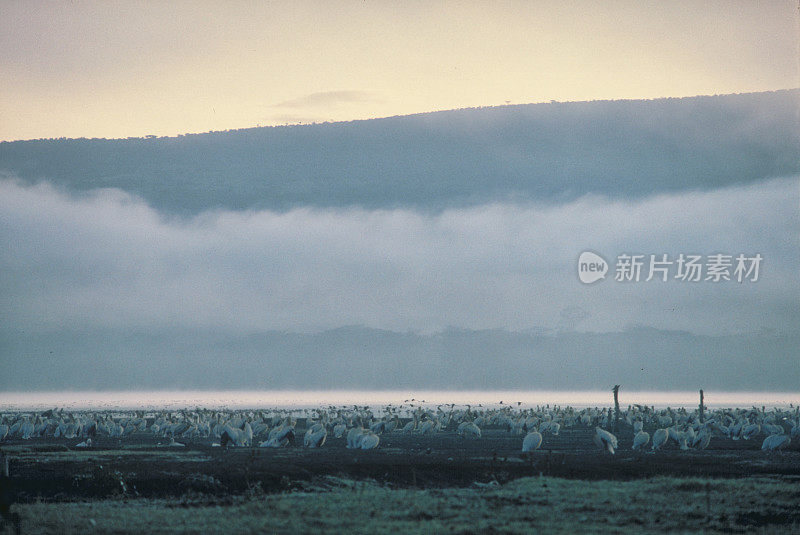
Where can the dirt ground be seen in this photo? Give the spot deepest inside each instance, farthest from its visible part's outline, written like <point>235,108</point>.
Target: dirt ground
<point>140,467</point>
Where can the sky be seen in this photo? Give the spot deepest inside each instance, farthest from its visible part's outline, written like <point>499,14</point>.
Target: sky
<point>118,69</point>
<point>422,251</point>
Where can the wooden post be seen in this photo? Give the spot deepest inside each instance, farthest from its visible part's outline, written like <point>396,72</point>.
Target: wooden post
<point>616,406</point>
<point>701,406</point>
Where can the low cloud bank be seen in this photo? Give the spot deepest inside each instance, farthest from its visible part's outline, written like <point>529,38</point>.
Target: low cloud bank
<point>108,260</point>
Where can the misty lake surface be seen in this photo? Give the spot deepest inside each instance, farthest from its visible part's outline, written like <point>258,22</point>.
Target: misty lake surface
<point>298,399</point>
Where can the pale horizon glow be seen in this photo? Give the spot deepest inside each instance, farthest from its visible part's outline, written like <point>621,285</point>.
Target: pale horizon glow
<point>91,69</point>
<point>377,399</point>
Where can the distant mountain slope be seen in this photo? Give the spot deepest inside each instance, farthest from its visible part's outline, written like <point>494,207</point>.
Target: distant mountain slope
<point>358,357</point>
<point>552,152</point>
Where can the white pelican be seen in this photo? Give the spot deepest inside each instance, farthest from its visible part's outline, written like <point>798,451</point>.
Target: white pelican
<point>27,428</point>
<point>605,440</point>
<point>315,436</point>
<point>530,423</point>
<point>281,433</point>
<point>428,427</point>
<point>660,438</point>
<point>736,430</point>
<point>532,441</point>
<point>274,443</point>
<point>664,420</point>
<point>640,440</point>
<point>554,428</point>
<point>354,437</point>
<point>391,424</point>
<point>378,427</point>
<point>674,434</point>
<point>702,438</point>
<point>369,441</point>
<point>775,442</point>
<point>796,429</point>
<point>409,427</point>
<point>247,430</point>
<point>750,431</point>
<point>232,435</point>
<point>637,426</point>
<point>339,429</point>
<point>469,429</point>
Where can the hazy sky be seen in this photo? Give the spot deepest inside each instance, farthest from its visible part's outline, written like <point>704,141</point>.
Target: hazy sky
<point>117,69</point>
<point>450,240</point>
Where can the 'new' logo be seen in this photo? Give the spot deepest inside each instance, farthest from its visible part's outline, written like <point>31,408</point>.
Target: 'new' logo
<point>591,267</point>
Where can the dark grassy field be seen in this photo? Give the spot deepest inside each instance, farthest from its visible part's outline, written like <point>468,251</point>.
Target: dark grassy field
<point>527,505</point>
<point>52,469</point>
<point>410,483</point>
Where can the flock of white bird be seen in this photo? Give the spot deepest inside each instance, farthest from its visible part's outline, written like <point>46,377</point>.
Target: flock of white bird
<point>362,429</point>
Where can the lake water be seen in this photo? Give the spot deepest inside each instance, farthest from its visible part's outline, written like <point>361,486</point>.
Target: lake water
<point>377,399</point>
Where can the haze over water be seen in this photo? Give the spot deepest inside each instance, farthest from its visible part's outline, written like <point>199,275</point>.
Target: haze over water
<point>295,399</point>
